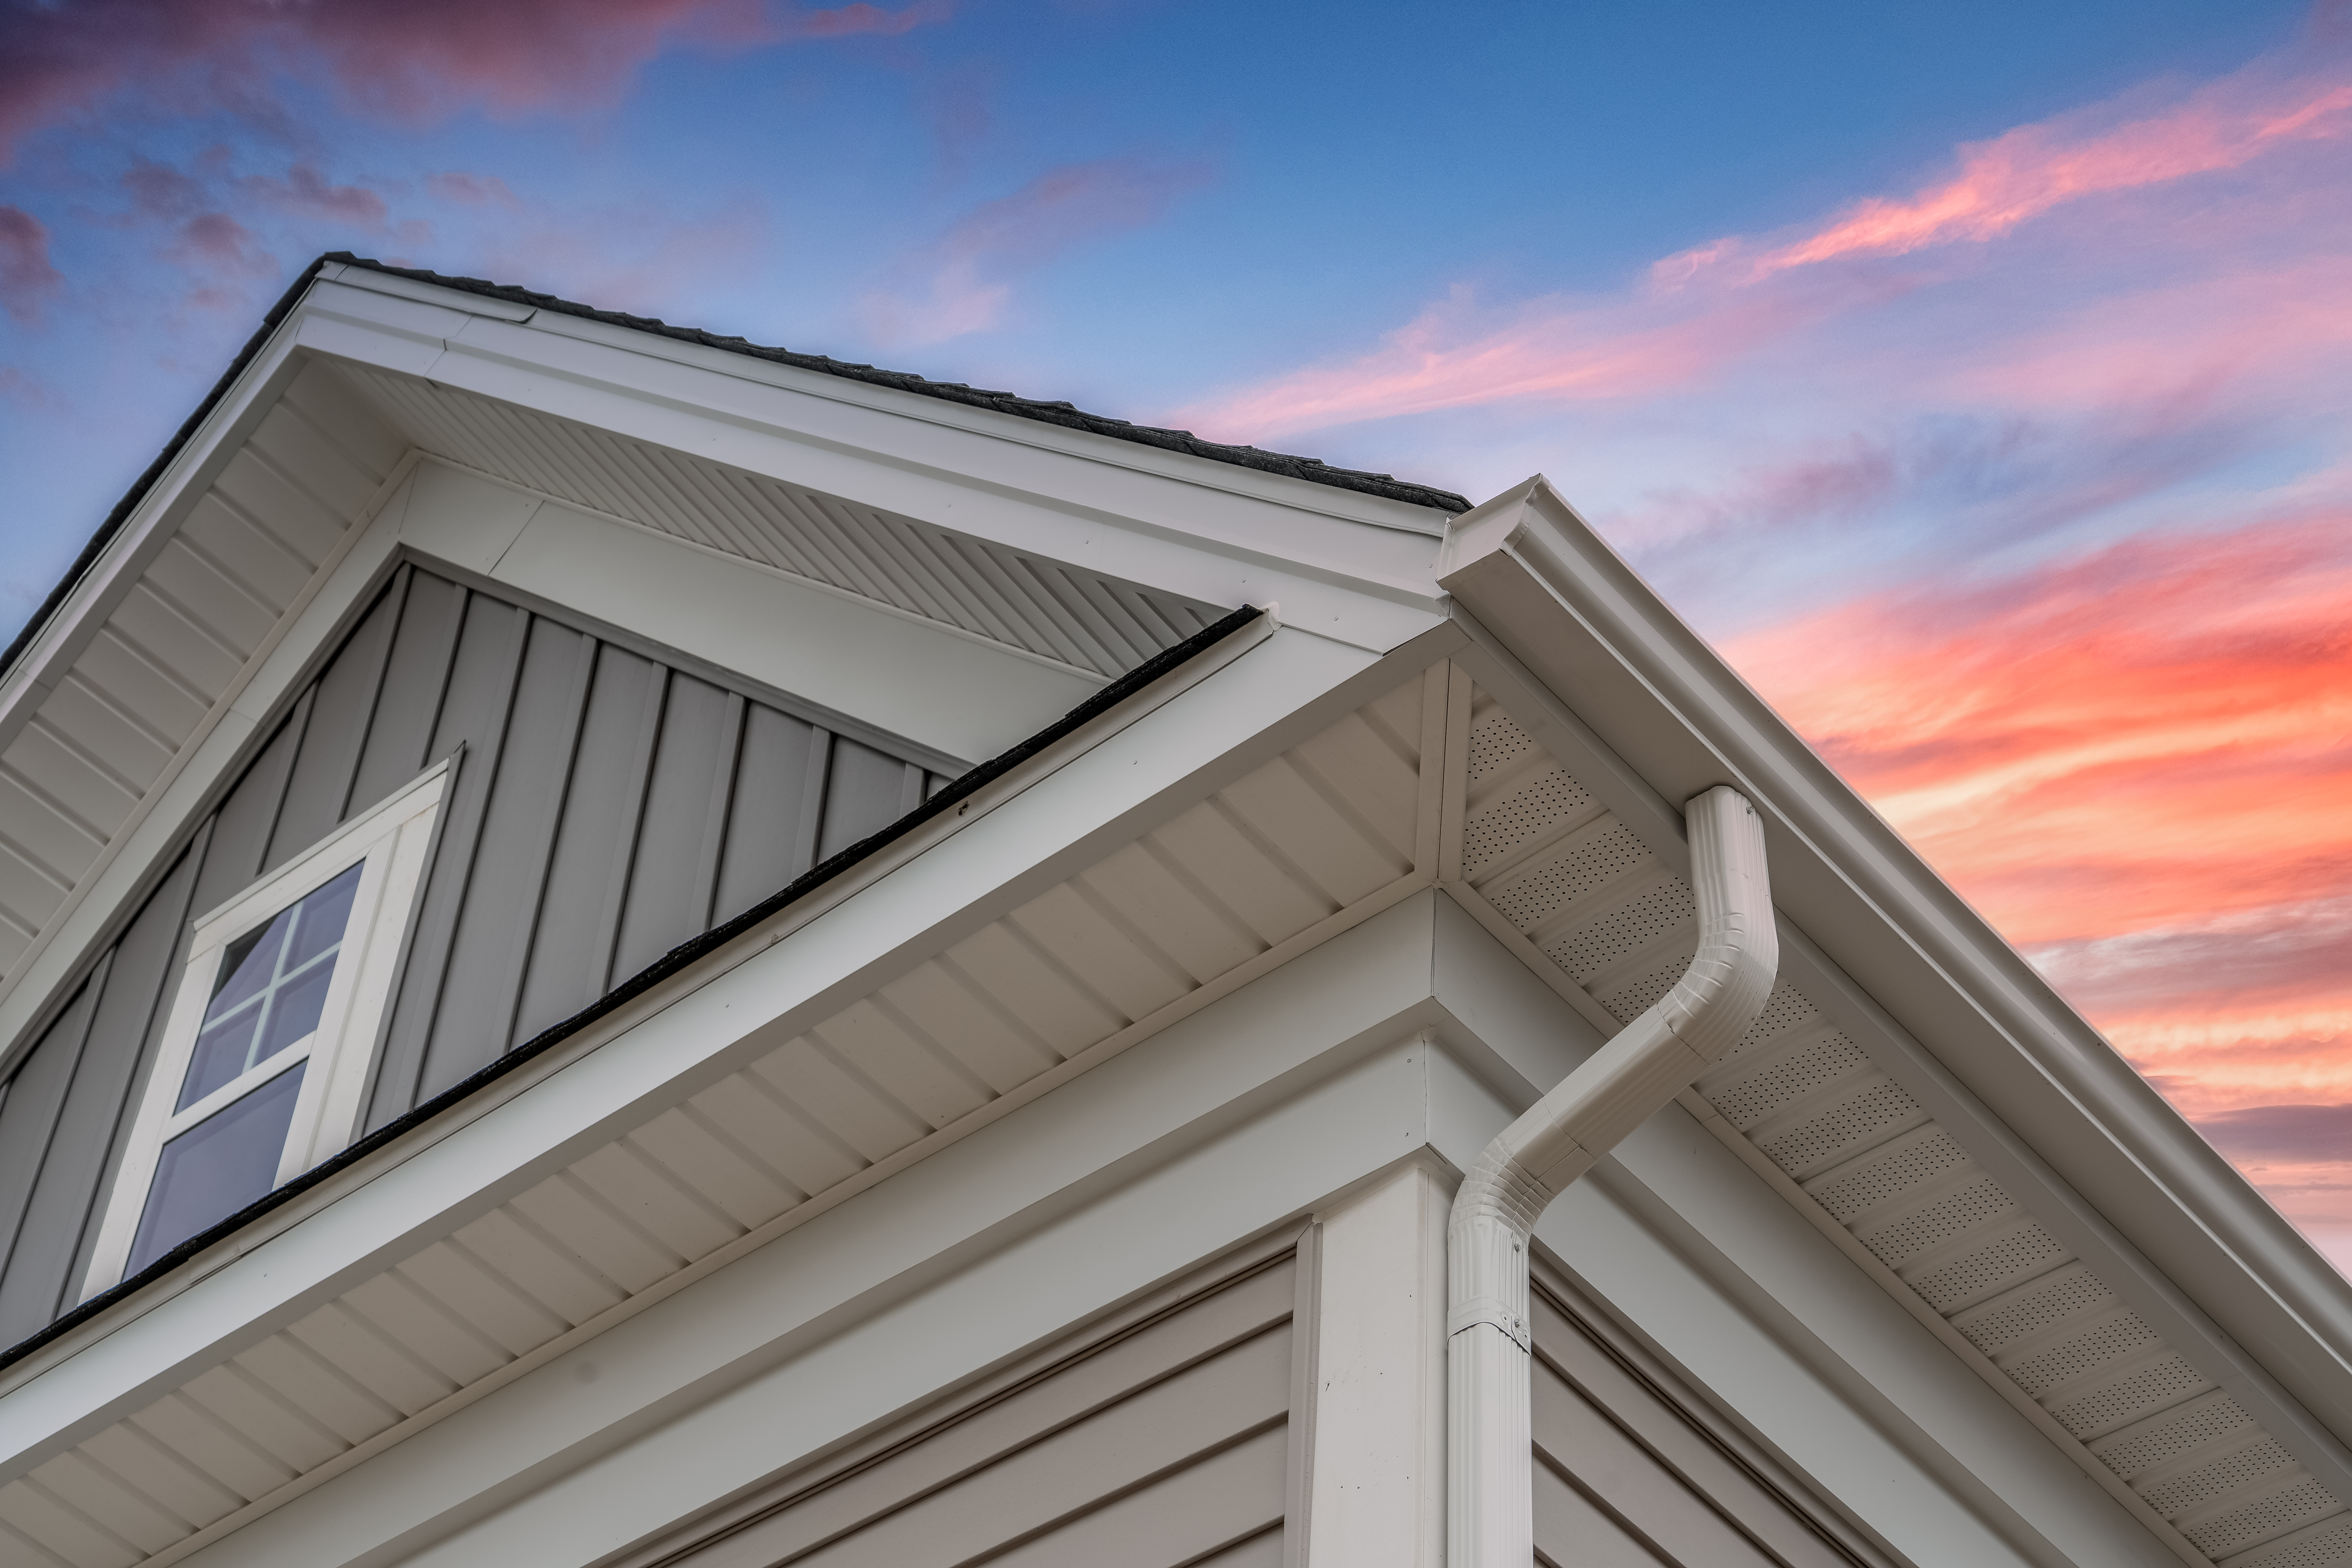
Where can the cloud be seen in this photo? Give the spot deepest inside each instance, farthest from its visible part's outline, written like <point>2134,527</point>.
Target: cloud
<point>2031,170</point>
<point>1695,315</point>
<point>2143,735</point>
<point>27,277</point>
<point>971,268</point>
<point>472,190</point>
<point>409,60</point>
<point>306,193</point>
<point>217,242</point>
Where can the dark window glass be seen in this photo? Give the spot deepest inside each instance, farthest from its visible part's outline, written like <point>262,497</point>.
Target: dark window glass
<point>272,985</point>
<point>216,1167</point>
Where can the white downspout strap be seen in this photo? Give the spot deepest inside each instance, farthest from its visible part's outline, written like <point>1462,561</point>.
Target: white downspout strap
<point>1490,1520</point>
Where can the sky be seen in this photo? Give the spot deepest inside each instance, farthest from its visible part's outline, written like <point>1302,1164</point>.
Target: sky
<point>1978,378</point>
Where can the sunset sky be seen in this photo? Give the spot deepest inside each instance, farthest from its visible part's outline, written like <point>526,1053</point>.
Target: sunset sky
<point>1978,377</point>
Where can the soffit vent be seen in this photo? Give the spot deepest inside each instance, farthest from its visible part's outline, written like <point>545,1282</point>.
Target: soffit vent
<point>1084,619</point>
<point>1584,889</point>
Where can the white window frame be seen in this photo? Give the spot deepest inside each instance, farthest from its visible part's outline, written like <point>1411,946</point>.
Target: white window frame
<point>391,839</point>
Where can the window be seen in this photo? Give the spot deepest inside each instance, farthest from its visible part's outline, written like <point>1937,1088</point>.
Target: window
<point>266,1056</point>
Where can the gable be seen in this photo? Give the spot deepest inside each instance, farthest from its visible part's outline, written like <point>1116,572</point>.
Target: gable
<point>608,806</point>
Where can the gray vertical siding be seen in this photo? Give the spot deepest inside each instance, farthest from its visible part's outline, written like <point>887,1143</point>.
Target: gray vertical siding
<point>606,808</point>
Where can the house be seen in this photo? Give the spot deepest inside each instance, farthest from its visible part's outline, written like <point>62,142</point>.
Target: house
<point>619,948</point>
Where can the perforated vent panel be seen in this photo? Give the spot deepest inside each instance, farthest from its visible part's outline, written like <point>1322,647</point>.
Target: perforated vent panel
<point>1901,1166</point>
<point>2110,1343</point>
<point>1875,1112</point>
<point>2166,1437</point>
<point>2257,1461</point>
<point>1963,1209</point>
<point>2165,1381</point>
<point>2282,1510</point>
<point>1588,862</point>
<point>2326,1545</point>
<point>1496,742</point>
<point>2025,1312</point>
<point>1785,1077</point>
<point>1615,935</point>
<point>2019,1255</point>
<point>1524,815</point>
<point>1559,865</point>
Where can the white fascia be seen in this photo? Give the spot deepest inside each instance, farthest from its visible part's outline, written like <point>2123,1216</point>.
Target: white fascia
<point>1131,771</point>
<point>1340,565</point>
<point>1635,704</point>
<point>1414,1036</point>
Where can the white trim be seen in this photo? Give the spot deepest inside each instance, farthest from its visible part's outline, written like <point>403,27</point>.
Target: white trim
<point>1294,1096</point>
<point>1353,506</point>
<point>2047,1102</point>
<point>390,840</point>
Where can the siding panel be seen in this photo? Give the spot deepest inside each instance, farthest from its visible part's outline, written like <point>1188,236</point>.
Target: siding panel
<point>1158,1447</point>
<point>606,809</point>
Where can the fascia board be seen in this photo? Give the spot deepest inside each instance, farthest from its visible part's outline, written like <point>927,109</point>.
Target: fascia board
<point>1293,494</point>
<point>144,534</point>
<point>2207,1252</point>
<point>744,1000</point>
<point>1369,585</point>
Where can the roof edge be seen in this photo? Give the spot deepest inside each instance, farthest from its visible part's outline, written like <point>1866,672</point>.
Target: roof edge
<point>1313,470</point>
<point>46,612</point>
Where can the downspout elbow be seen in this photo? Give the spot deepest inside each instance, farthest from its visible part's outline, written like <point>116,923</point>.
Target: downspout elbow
<point>1560,1138</point>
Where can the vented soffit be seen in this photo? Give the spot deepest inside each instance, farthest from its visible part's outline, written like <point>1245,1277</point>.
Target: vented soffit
<point>1101,624</point>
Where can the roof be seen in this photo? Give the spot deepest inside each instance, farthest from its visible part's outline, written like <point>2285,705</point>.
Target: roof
<point>1312,469</point>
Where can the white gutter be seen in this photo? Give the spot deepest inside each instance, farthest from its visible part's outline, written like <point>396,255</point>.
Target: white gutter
<point>1489,1513</point>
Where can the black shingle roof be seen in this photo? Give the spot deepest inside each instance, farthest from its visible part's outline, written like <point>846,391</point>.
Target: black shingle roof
<point>1313,469</point>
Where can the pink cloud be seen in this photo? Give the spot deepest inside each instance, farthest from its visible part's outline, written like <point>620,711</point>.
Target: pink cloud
<point>220,244</point>
<point>407,59</point>
<point>1697,312</point>
<point>307,194</point>
<point>1556,350</point>
<point>2029,171</point>
<point>28,276</point>
<point>971,267</point>
<point>472,190</point>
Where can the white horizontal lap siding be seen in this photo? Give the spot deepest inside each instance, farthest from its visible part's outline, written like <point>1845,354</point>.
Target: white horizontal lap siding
<point>1041,607</point>
<point>1321,834</point>
<point>1577,883</point>
<point>114,720</point>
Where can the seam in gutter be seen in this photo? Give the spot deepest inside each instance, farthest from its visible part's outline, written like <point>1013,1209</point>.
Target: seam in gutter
<point>679,957</point>
<point>1489,1512</point>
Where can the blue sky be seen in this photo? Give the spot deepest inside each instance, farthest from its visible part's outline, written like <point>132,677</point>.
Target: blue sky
<point>1978,376</point>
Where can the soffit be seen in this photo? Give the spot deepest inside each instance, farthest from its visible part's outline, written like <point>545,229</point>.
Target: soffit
<point>1299,848</point>
<point>105,730</point>
<point>1434,783</point>
<point>1096,623</point>
<point>1548,865</point>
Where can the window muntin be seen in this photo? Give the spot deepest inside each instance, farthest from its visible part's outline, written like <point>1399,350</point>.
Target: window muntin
<point>266,1052</point>
<point>272,988</point>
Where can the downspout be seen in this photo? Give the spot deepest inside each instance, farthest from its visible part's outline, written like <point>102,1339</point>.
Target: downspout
<point>1489,1513</point>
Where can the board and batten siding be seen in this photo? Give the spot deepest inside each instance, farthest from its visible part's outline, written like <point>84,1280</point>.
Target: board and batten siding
<point>1162,1443</point>
<point>606,808</point>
